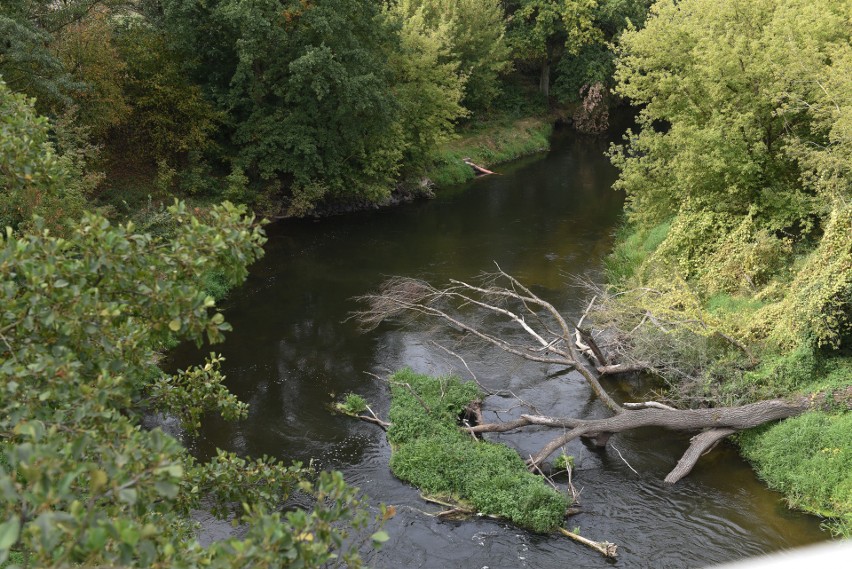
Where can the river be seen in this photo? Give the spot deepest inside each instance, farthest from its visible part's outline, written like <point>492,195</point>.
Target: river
<point>547,220</point>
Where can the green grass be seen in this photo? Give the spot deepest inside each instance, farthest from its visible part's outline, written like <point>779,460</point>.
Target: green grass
<point>497,140</point>
<point>801,371</point>
<point>352,404</point>
<point>632,248</point>
<point>809,459</point>
<point>431,452</point>
<point>723,302</point>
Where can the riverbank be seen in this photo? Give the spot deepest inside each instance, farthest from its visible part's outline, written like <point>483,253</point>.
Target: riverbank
<point>491,143</point>
<point>807,458</point>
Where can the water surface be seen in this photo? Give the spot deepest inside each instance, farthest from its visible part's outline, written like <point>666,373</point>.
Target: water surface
<point>546,219</point>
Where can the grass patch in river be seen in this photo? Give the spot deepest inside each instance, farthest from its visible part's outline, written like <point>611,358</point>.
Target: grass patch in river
<point>431,452</point>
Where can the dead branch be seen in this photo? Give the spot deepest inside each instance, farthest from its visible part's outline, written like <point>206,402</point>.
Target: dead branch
<point>464,363</point>
<point>546,477</point>
<point>605,548</point>
<point>455,513</point>
<point>415,394</point>
<point>383,424</point>
<point>624,460</point>
<point>699,446</point>
<point>457,304</point>
<point>546,336</point>
<point>624,368</point>
<point>375,420</point>
<point>648,405</point>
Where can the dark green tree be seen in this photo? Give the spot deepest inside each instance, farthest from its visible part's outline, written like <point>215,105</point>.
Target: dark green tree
<point>307,89</point>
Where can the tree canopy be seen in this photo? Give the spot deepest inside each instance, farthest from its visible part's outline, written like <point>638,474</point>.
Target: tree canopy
<point>738,153</point>
<point>735,271</point>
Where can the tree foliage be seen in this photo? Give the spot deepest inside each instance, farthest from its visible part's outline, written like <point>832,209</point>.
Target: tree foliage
<point>87,50</point>
<point>80,481</point>
<point>169,118</point>
<point>427,83</point>
<point>475,31</point>
<point>34,178</point>
<point>542,30</point>
<point>594,62</point>
<point>26,62</point>
<point>307,89</point>
<point>744,150</point>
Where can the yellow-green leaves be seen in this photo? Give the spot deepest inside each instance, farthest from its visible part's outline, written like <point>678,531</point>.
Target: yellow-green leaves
<point>745,144</point>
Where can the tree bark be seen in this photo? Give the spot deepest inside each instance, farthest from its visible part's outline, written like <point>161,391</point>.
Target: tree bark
<point>721,421</point>
<point>544,78</point>
<point>699,445</point>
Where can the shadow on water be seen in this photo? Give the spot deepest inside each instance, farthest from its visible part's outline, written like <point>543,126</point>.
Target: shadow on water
<point>544,219</point>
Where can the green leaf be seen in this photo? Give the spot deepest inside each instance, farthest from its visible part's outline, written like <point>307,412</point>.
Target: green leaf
<point>127,495</point>
<point>380,537</point>
<point>97,538</point>
<point>97,481</point>
<point>166,489</point>
<point>9,532</point>
<point>174,325</point>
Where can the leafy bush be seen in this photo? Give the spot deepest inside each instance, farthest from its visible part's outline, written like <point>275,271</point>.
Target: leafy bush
<point>83,318</point>
<point>431,452</point>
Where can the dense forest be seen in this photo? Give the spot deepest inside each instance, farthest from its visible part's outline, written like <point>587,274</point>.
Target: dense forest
<point>286,106</point>
<point>138,138</point>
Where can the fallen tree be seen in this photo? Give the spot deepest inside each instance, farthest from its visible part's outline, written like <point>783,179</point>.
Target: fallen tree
<point>547,336</point>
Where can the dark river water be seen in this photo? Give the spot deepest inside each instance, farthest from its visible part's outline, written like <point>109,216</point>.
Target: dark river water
<point>546,219</point>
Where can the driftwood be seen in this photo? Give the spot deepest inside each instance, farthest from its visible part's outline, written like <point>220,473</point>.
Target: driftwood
<point>552,338</point>
<point>480,171</point>
<point>721,422</point>
<point>455,511</point>
<point>604,547</point>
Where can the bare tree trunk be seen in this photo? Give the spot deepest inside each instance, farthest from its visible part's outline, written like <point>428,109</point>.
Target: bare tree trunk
<point>721,419</point>
<point>544,78</point>
<point>699,445</point>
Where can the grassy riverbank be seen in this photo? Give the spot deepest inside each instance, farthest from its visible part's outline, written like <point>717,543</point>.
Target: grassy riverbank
<point>807,458</point>
<point>489,143</point>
